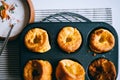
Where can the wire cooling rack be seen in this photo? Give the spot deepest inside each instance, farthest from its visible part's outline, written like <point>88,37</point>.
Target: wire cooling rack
<point>65,17</point>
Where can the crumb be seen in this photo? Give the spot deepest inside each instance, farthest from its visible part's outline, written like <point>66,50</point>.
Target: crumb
<point>94,54</point>
<point>88,51</point>
<point>18,21</point>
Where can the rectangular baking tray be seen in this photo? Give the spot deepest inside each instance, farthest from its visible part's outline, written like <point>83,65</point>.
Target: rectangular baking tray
<point>82,55</point>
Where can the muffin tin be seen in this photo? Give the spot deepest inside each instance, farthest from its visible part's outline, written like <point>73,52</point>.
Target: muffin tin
<point>83,55</point>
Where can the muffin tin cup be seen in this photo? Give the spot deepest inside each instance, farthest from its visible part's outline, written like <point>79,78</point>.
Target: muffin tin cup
<point>83,55</point>
<point>88,73</point>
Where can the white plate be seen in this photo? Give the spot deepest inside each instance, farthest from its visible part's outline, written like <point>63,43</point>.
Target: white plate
<point>21,13</point>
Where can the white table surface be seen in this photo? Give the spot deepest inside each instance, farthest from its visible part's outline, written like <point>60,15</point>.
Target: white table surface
<point>78,4</point>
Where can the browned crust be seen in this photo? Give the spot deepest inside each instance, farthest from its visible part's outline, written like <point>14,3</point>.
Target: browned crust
<point>76,39</point>
<point>102,69</point>
<point>43,67</point>
<point>106,45</point>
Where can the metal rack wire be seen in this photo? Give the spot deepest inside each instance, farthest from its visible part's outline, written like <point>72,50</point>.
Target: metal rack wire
<point>66,17</point>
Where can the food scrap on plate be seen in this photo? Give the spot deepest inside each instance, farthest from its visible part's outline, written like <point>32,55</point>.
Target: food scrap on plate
<point>6,10</point>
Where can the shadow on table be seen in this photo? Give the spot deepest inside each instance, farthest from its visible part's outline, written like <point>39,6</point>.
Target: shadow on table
<point>12,59</point>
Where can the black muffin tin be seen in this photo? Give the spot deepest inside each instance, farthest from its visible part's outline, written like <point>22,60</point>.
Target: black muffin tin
<point>83,55</point>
